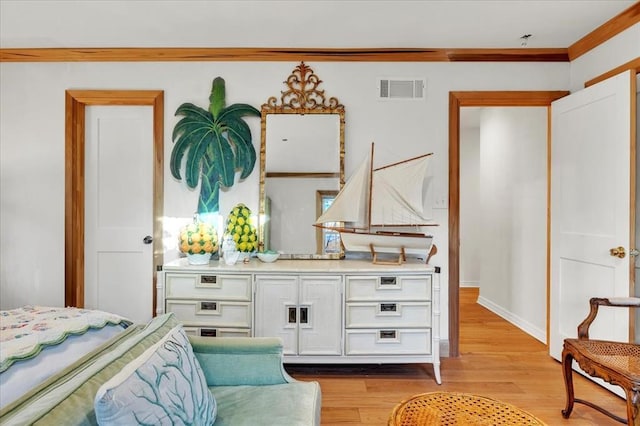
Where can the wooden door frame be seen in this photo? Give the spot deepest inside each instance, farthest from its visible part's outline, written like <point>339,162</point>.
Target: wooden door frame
<point>75,103</point>
<point>482,99</point>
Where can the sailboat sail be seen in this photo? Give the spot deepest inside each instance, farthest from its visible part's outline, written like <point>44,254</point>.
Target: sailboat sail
<point>352,202</point>
<point>397,193</point>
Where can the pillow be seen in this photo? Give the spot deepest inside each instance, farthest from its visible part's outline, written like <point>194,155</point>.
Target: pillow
<point>165,385</point>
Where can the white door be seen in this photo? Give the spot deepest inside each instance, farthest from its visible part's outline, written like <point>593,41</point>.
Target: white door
<point>320,322</point>
<point>119,210</point>
<point>277,310</point>
<point>591,187</point>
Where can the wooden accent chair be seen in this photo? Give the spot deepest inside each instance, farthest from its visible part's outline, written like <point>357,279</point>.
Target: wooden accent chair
<point>614,362</point>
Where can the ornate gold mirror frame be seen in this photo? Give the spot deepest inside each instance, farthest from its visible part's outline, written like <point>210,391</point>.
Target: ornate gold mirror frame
<point>301,97</point>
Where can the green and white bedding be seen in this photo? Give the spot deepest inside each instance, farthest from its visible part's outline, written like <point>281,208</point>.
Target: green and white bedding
<point>37,341</point>
<point>68,396</point>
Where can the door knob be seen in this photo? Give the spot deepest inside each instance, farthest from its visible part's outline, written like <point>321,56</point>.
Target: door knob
<point>634,252</point>
<point>148,239</point>
<point>617,252</point>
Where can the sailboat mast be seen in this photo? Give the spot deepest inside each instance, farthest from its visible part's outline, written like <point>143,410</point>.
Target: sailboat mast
<point>370,187</point>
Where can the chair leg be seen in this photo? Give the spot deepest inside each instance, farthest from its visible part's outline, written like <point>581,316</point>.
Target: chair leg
<point>633,406</point>
<point>567,372</point>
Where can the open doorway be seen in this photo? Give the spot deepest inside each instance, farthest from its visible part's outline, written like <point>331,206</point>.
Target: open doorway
<point>456,101</point>
<point>503,212</point>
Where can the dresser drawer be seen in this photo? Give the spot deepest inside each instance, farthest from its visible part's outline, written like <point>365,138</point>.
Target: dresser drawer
<point>208,286</point>
<point>388,287</point>
<point>388,341</point>
<point>217,332</point>
<point>388,314</point>
<point>211,312</point>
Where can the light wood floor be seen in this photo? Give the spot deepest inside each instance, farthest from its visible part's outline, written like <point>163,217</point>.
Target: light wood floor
<point>497,360</point>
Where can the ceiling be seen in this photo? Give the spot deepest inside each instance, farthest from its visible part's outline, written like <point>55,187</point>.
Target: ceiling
<point>301,23</point>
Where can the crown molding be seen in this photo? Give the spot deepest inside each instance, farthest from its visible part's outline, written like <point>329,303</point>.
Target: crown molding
<point>189,54</point>
<point>606,31</point>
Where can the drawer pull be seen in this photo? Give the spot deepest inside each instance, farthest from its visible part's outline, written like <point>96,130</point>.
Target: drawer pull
<point>304,315</point>
<point>208,332</point>
<point>208,279</point>
<point>208,306</point>
<point>387,334</point>
<point>292,315</point>
<point>388,307</point>
<point>387,280</point>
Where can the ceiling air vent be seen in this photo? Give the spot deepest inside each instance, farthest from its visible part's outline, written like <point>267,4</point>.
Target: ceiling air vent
<point>396,88</point>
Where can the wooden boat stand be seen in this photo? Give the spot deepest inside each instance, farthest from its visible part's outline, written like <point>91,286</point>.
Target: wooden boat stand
<point>402,257</point>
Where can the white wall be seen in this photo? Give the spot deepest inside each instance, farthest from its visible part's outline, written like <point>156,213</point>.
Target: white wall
<point>32,136</point>
<point>32,141</point>
<point>513,210</point>
<point>471,244</point>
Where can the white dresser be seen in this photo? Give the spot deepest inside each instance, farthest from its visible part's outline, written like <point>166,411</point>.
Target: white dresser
<point>325,311</point>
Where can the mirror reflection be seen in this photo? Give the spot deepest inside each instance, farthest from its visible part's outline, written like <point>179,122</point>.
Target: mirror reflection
<point>299,143</point>
<point>301,168</point>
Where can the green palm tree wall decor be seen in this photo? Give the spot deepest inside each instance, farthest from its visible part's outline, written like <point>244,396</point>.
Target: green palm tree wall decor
<point>216,142</point>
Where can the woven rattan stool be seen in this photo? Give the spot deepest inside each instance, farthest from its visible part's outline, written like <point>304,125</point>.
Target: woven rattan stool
<point>448,408</point>
<point>614,362</point>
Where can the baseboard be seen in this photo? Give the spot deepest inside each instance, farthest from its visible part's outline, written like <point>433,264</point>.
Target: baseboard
<point>444,348</point>
<point>522,324</point>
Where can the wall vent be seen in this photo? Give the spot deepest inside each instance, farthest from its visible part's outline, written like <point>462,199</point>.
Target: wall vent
<point>397,88</point>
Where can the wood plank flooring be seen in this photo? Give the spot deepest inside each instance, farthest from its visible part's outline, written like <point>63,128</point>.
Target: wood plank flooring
<point>497,360</point>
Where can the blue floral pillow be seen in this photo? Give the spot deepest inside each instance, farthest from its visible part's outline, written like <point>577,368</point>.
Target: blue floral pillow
<point>163,386</point>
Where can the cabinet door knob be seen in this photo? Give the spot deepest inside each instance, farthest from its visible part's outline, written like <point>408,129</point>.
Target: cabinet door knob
<point>292,315</point>
<point>148,239</point>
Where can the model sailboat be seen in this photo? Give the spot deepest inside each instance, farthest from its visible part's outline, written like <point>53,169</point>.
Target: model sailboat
<point>375,206</point>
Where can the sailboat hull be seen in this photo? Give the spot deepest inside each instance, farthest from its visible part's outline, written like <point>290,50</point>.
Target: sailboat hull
<point>413,244</point>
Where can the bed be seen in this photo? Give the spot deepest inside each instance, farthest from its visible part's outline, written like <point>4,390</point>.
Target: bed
<point>36,342</point>
<point>155,374</point>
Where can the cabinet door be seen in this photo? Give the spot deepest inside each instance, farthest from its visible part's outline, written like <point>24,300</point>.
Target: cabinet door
<point>276,305</point>
<point>320,319</point>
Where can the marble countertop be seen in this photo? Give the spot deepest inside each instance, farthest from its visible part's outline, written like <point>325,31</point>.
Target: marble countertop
<point>287,265</point>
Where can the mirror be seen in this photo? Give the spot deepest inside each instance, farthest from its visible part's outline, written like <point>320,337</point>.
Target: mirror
<point>301,168</point>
